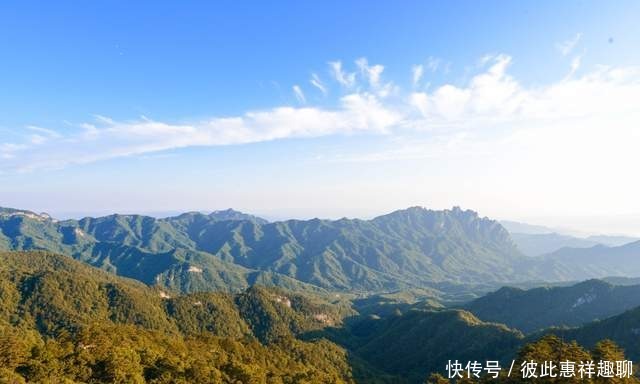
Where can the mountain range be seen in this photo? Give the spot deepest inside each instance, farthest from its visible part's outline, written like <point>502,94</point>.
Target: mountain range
<point>535,240</point>
<point>440,252</point>
<point>228,250</point>
<point>539,308</point>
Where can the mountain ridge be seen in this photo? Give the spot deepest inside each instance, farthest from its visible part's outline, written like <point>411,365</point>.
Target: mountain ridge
<point>407,248</point>
<point>414,248</point>
<point>534,309</point>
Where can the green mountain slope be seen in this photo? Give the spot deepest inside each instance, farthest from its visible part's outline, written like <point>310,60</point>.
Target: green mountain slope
<point>139,247</point>
<point>535,309</point>
<point>414,342</point>
<point>51,292</point>
<point>60,318</point>
<point>64,321</point>
<point>411,248</point>
<point>623,329</point>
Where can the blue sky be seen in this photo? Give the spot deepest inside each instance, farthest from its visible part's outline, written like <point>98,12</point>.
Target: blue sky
<point>520,110</point>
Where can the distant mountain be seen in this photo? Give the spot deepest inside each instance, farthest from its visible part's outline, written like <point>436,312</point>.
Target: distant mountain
<point>535,309</point>
<point>613,241</point>
<point>409,248</point>
<point>224,215</point>
<point>524,228</point>
<point>540,244</point>
<point>534,240</point>
<point>595,262</point>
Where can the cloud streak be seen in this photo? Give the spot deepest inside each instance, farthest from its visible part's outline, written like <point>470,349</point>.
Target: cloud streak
<point>567,46</point>
<point>416,74</point>
<point>297,91</point>
<point>492,110</point>
<point>316,82</point>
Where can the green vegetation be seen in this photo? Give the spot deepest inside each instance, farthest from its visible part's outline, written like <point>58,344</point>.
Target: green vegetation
<point>209,298</point>
<point>62,320</point>
<point>129,354</point>
<point>553,350</point>
<point>623,329</point>
<point>419,341</point>
<point>450,254</point>
<point>539,308</point>
<point>409,249</point>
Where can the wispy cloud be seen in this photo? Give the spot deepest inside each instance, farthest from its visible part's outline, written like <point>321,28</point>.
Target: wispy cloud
<point>347,79</point>
<point>493,109</point>
<point>416,74</point>
<point>297,91</point>
<point>371,73</point>
<point>106,138</point>
<point>575,65</point>
<point>567,46</point>
<point>433,63</point>
<point>43,131</point>
<point>316,82</point>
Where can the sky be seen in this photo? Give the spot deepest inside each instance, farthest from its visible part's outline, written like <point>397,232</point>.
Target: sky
<point>524,110</point>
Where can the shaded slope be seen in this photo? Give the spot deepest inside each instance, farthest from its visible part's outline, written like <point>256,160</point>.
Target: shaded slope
<point>535,309</point>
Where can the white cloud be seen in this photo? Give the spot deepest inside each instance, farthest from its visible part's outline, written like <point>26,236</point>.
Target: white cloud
<point>44,131</point>
<point>108,138</point>
<point>489,95</point>
<point>297,91</point>
<point>347,79</point>
<point>567,46</point>
<point>493,112</point>
<point>316,82</point>
<point>417,72</point>
<point>371,73</point>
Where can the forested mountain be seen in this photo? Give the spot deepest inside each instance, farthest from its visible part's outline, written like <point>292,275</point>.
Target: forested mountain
<point>62,319</point>
<point>51,292</point>
<point>535,309</point>
<point>411,248</point>
<point>414,342</point>
<point>623,329</point>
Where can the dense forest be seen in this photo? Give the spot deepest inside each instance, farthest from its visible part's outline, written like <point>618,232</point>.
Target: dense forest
<point>63,321</point>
